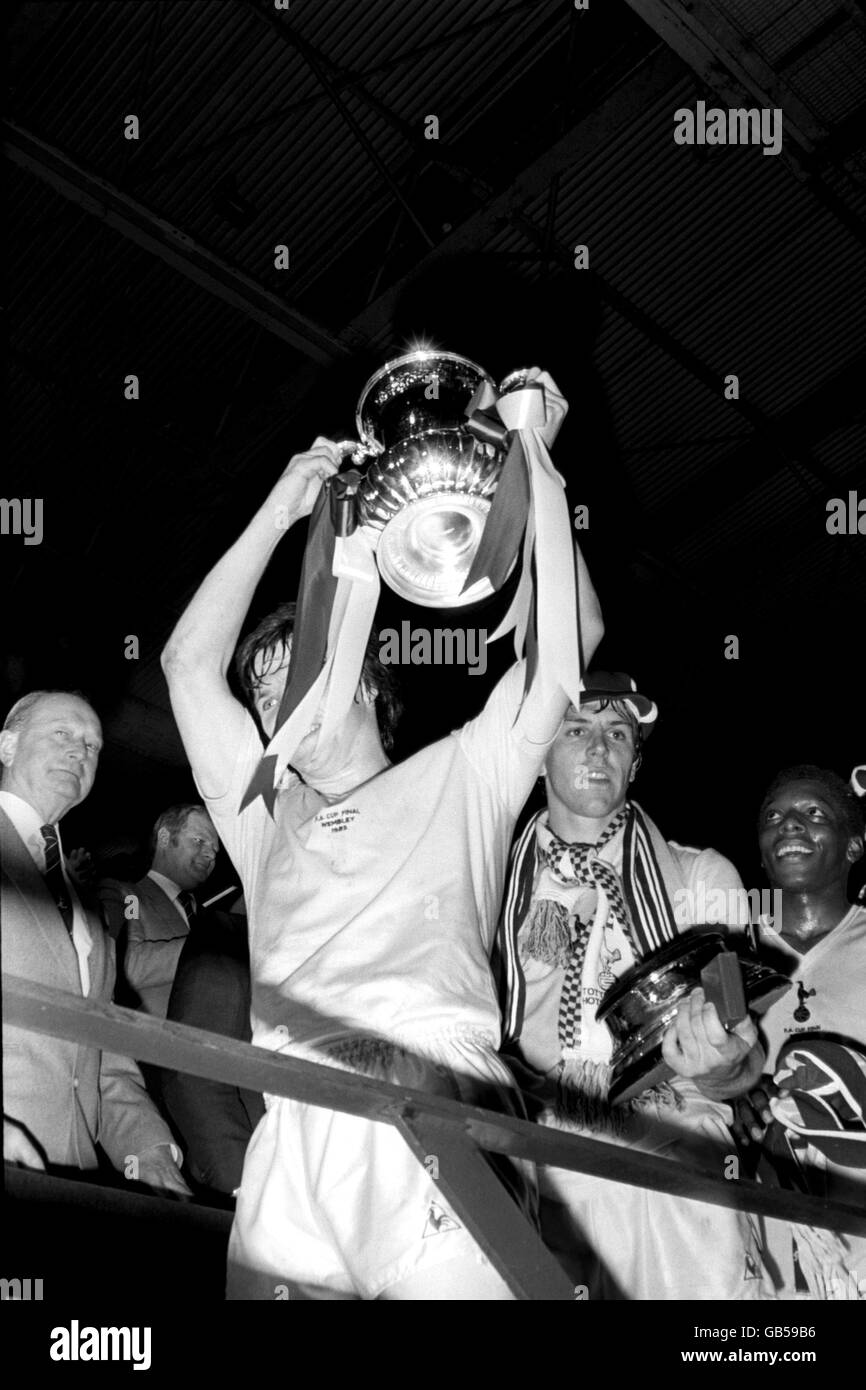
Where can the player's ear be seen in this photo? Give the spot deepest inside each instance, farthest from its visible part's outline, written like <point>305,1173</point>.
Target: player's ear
<point>8,744</point>
<point>855,848</point>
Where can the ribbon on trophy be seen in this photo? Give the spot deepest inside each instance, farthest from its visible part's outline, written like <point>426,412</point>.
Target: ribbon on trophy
<point>529,502</point>
<point>339,585</point>
<point>337,597</point>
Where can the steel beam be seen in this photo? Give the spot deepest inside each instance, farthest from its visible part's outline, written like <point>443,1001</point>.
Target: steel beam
<point>715,49</point>
<point>170,244</point>
<point>164,1043</point>
<point>343,79</point>
<point>650,80</point>
<point>730,65</point>
<point>288,36</point>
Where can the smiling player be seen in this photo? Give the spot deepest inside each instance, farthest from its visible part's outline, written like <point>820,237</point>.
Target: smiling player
<point>810,832</point>
<point>594,888</point>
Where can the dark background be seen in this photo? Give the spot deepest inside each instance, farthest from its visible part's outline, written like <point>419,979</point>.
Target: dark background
<point>707,516</point>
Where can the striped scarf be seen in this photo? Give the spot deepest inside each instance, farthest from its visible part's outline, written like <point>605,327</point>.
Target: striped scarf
<point>549,938</point>
<point>538,928</point>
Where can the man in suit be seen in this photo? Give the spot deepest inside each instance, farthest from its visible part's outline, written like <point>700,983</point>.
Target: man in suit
<point>151,919</point>
<point>62,1099</point>
<point>214,1120</point>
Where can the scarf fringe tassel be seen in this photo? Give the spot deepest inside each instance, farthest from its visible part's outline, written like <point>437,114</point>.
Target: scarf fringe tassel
<point>548,939</point>
<point>822,1262</point>
<point>581,1098</point>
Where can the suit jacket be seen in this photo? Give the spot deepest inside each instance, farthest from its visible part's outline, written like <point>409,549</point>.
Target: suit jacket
<point>213,1119</point>
<point>68,1096</point>
<point>151,933</point>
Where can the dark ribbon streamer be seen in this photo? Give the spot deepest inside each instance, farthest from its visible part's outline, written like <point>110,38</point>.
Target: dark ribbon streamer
<point>506,520</point>
<point>506,523</point>
<point>333,514</point>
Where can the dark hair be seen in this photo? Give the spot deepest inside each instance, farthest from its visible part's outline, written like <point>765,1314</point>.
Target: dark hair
<point>273,633</point>
<point>839,794</point>
<point>173,820</point>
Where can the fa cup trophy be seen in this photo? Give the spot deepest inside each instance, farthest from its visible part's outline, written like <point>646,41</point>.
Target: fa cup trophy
<point>451,487</point>
<point>432,470</point>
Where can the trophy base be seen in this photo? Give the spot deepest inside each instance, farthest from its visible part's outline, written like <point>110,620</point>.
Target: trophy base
<point>426,551</point>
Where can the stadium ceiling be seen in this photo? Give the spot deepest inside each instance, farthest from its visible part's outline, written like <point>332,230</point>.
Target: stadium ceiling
<point>259,126</point>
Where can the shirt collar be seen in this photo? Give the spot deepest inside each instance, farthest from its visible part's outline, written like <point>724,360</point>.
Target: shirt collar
<point>27,821</point>
<point>168,885</point>
<point>765,928</point>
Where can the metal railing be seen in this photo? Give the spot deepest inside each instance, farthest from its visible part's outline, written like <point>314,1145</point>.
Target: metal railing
<point>431,1125</point>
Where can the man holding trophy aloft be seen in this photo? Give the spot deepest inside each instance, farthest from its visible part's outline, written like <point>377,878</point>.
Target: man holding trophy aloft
<point>373,889</point>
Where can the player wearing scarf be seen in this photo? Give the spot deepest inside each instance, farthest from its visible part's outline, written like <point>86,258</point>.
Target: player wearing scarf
<point>593,889</point>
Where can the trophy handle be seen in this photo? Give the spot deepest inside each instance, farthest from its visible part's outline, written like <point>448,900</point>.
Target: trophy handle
<point>515,381</point>
<point>357,450</point>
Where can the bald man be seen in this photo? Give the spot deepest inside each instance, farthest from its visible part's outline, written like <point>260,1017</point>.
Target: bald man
<point>63,1101</point>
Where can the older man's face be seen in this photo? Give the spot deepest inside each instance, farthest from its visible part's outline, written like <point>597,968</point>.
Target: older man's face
<point>189,856</point>
<point>589,764</point>
<point>51,762</point>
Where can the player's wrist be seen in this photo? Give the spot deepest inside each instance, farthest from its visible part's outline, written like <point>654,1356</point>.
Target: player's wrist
<point>278,514</point>
<point>728,1079</point>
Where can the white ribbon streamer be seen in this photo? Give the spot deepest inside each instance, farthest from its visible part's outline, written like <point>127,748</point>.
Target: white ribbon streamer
<point>334,689</point>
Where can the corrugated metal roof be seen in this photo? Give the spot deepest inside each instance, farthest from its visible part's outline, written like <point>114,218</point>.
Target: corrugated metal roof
<point>832,76</point>
<point>774,26</point>
<point>725,250</point>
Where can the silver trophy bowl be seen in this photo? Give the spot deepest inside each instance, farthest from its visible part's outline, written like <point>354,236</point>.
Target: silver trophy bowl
<point>428,482</point>
<point>640,1007</point>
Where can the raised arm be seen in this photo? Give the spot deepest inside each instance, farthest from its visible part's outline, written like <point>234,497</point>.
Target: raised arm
<point>198,654</point>
<point>546,701</point>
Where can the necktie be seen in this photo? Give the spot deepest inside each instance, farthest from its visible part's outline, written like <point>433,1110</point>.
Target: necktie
<point>188,903</point>
<point>54,875</point>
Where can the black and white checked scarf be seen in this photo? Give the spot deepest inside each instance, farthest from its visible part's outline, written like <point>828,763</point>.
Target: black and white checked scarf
<point>580,865</point>
<point>538,928</point>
